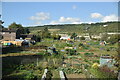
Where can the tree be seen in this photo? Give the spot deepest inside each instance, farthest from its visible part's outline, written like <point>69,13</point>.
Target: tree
<point>73,36</point>
<point>1,22</point>
<point>113,38</point>
<point>46,29</point>
<point>26,31</point>
<point>55,36</point>
<point>104,37</point>
<point>38,36</point>
<point>46,33</point>
<point>15,26</point>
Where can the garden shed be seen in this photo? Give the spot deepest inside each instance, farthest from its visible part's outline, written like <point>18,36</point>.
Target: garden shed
<point>106,60</point>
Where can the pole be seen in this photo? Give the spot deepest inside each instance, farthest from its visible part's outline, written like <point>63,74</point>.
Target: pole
<point>37,61</point>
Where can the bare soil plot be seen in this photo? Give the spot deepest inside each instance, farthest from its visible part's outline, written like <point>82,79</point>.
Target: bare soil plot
<point>75,76</point>
<point>53,30</point>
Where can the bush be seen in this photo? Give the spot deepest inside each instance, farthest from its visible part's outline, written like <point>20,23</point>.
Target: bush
<point>88,54</point>
<point>86,66</point>
<point>69,45</point>
<point>29,76</point>
<point>105,69</point>
<point>113,38</point>
<point>95,39</point>
<point>71,70</point>
<point>71,51</point>
<point>95,65</point>
<point>40,53</point>
<point>85,60</point>
<point>103,72</point>
<point>81,45</point>
<point>95,61</point>
<point>84,46</point>
<point>82,38</point>
<point>49,75</point>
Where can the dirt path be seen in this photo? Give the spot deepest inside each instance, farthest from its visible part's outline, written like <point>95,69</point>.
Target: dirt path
<point>75,76</point>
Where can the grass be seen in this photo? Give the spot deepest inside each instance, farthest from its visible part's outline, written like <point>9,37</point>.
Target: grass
<point>24,71</point>
<point>98,74</point>
<point>55,74</point>
<point>16,54</point>
<point>25,74</point>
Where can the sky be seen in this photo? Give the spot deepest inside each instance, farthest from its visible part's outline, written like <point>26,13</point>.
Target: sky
<point>51,13</point>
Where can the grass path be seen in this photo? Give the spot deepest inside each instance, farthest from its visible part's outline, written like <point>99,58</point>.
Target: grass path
<point>56,75</point>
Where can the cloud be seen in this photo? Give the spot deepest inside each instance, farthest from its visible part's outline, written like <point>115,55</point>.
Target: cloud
<point>41,16</point>
<point>74,7</point>
<point>96,15</point>
<point>54,22</point>
<point>66,20</point>
<point>111,17</point>
<point>37,23</point>
<point>76,22</point>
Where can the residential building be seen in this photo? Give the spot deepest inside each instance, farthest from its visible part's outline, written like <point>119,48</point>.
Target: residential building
<point>29,37</point>
<point>9,34</point>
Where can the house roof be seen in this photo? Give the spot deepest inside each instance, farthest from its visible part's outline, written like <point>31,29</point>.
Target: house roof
<point>27,35</point>
<point>106,57</point>
<point>8,30</point>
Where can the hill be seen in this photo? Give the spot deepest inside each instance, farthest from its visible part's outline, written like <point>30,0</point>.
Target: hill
<point>94,28</point>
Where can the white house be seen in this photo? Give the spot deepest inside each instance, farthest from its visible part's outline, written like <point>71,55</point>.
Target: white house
<point>96,36</point>
<point>86,37</point>
<point>65,38</point>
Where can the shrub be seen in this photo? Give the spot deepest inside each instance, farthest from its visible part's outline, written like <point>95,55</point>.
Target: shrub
<point>21,67</point>
<point>82,38</point>
<point>80,45</point>
<point>71,70</point>
<point>95,39</point>
<point>105,68</point>
<point>71,51</point>
<point>29,76</point>
<point>40,53</point>
<point>103,72</point>
<point>49,75</point>
<point>95,61</point>
<point>69,45</point>
<point>113,39</point>
<point>95,65</point>
<point>86,60</point>
<point>88,54</point>
<point>86,66</point>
